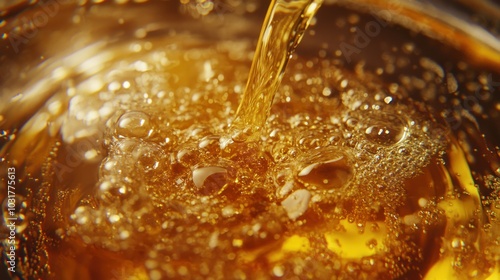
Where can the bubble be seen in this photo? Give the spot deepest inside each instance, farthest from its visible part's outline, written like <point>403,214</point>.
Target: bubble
<point>124,146</point>
<point>310,142</point>
<point>411,219</point>
<point>282,152</point>
<point>351,122</point>
<point>326,171</point>
<point>211,179</point>
<point>385,129</point>
<point>133,124</point>
<point>120,165</point>
<point>372,243</point>
<point>327,91</point>
<point>124,234</point>
<point>116,187</point>
<point>80,215</point>
<point>228,211</point>
<point>149,156</point>
<point>278,271</point>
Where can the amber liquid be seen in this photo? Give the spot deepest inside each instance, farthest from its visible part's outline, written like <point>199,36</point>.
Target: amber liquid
<point>344,176</point>
<point>282,31</point>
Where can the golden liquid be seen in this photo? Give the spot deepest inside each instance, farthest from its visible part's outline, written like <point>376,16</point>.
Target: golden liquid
<point>282,30</point>
<point>349,177</point>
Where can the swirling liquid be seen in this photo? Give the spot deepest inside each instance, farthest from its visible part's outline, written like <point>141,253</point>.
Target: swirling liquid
<point>127,172</point>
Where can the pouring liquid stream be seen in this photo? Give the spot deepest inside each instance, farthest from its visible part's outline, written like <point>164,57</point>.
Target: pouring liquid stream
<point>283,29</point>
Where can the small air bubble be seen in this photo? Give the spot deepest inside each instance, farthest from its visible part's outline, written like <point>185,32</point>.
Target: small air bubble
<point>422,202</point>
<point>327,91</point>
<point>278,271</point>
<point>140,33</point>
<point>155,275</point>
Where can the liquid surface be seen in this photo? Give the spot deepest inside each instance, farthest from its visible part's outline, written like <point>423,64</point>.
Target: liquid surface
<point>350,178</point>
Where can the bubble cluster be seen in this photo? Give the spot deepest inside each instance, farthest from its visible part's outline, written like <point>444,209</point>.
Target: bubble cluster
<point>350,178</point>
<point>174,184</point>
